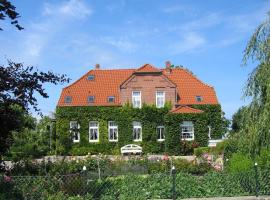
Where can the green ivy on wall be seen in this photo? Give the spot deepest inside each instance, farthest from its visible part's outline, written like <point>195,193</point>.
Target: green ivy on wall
<point>149,116</point>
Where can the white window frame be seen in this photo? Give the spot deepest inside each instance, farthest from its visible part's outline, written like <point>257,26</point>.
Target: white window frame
<point>159,139</point>
<point>136,98</point>
<point>137,125</point>
<point>112,127</point>
<point>162,97</point>
<point>73,133</point>
<point>93,128</point>
<point>189,125</point>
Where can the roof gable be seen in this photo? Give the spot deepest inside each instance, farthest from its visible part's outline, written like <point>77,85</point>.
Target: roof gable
<point>186,109</point>
<point>147,68</point>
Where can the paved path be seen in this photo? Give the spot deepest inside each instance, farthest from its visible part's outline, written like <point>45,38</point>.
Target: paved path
<point>233,198</point>
<point>229,198</point>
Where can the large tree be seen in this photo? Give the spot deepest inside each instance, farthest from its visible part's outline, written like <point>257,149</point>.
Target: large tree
<point>256,130</point>
<point>18,84</point>
<point>18,87</point>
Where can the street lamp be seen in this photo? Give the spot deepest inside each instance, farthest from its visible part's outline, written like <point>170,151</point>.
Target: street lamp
<point>173,186</point>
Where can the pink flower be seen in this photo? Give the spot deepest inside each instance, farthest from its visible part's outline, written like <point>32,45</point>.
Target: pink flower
<point>165,157</point>
<point>7,178</point>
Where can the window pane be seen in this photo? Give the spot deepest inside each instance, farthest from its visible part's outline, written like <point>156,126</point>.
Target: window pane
<point>93,124</point>
<point>68,99</point>
<point>111,99</point>
<point>136,123</point>
<point>136,94</point>
<point>91,77</point>
<point>112,123</point>
<point>113,130</point>
<point>187,130</point>
<point>91,99</point>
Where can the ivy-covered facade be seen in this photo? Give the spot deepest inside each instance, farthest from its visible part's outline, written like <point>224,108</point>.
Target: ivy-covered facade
<point>86,125</point>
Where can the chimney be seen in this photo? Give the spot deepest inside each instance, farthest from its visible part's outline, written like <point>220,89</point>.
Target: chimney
<point>168,67</point>
<point>97,66</point>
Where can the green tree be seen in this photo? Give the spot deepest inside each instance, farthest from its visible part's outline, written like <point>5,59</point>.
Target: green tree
<point>256,134</point>
<point>238,120</point>
<point>31,142</point>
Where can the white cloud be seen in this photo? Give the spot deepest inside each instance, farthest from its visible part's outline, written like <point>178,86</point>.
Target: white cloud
<point>122,43</point>
<point>72,8</point>
<point>189,43</point>
<point>56,17</point>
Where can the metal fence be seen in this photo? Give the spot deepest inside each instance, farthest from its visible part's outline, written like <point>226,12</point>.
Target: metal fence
<point>92,185</point>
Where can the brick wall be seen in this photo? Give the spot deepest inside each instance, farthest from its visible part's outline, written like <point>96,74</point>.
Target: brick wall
<point>148,85</point>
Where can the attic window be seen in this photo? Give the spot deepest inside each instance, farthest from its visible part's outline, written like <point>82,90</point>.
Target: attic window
<point>91,99</point>
<point>199,98</point>
<point>111,99</point>
<point>68,99</point>
<point>91,77</point>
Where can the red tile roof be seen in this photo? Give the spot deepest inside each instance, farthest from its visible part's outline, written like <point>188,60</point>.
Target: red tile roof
<point>186,109</point>
<point>147,68</point>
<point>189,86</point>
<point>107,83</point>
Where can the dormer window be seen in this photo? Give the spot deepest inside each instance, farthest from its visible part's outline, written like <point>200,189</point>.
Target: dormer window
<point>199,98</point>
<point>111,99</point>
<point>68,99</point>
<point>91,99</point>
<point>90,77</point>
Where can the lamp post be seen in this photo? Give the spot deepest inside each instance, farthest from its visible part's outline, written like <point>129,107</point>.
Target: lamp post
<point>173,186</point>
<point>256,179</point>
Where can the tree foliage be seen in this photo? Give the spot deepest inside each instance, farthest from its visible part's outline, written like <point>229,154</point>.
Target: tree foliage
<point>18,84</point>
<point>8,10</point>
<point>18,87</point>
<point>255,133</point>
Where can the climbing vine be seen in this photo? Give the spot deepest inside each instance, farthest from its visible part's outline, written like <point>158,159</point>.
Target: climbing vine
<point>149,116</point>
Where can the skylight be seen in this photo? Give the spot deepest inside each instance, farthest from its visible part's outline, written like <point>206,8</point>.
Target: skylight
<point>111,99</point>
<point>199,98</point>
<point>68,99</point>
<point>91,77</point>
<point>91,99</point>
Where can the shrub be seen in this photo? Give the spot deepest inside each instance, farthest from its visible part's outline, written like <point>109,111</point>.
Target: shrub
<point>201,150</point>
<point>239,163</point>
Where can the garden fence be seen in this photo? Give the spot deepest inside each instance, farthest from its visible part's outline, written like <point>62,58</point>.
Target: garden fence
<point>92,185</point>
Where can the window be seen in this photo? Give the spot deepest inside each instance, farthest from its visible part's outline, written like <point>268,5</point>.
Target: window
<point>111,99</point>
<point>93,132</point>
<point>160,133</point>
<point>74,130</point>
<point>137,131</point>
<point>68,99</point>
<point>113,131</point>
<point>136,99</point>
<point>199,98</point>
<point>187,130</point>
<point>90,77</point>
<point>160,99</point>
<point>91,99</point>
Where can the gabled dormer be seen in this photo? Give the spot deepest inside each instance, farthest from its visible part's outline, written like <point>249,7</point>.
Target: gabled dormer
<point>148,85</point>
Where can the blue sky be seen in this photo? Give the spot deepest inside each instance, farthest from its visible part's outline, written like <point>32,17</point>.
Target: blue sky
<point>71,36</point>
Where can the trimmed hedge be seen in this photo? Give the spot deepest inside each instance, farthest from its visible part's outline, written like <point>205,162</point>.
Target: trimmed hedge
<point>149,116</point>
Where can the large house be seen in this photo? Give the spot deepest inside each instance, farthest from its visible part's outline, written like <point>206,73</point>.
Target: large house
<point>163,110</point>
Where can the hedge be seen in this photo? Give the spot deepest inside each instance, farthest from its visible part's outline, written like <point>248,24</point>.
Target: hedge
<point>149,116</point>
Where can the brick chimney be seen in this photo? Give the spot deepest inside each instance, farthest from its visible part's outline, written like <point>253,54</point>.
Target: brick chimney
<point>168,67</point>
<point>97,66</point>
